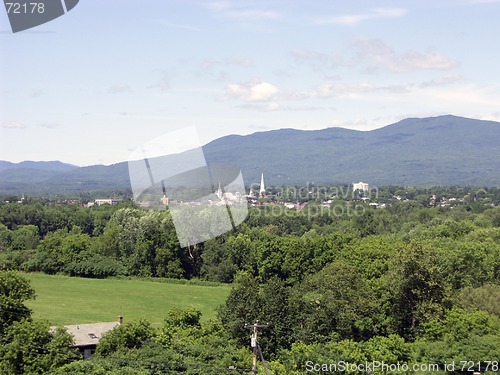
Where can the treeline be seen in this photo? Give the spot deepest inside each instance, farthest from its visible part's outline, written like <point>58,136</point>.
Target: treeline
<point>107,240</point>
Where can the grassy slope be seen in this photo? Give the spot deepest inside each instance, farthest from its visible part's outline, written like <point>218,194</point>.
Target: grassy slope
<point>71,300</point>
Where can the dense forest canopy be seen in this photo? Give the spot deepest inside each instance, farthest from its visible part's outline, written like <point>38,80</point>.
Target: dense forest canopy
<point>413,279</point>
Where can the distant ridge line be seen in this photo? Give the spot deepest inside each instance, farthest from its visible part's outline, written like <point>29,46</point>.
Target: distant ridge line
<point>444,150</point>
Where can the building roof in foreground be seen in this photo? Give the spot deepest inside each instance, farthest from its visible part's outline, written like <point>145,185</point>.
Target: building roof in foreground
<point>89,334</point>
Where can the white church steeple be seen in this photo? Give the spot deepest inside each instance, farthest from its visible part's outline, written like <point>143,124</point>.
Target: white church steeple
<point>262,190</point>
<point>219,192</point>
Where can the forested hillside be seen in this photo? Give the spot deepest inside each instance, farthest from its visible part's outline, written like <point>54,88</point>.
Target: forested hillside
<point>415,282</point>
<point>444,150</point>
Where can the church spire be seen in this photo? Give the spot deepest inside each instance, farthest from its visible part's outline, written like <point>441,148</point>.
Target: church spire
<point>219,192</point>
<point>262,190</point>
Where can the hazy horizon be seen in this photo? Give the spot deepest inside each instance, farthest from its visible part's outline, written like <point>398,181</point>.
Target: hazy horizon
<point>187,148</point>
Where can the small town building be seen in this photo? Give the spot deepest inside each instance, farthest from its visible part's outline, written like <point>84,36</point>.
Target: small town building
<point>86,336</point>
<point>363,186</point>
<point>110,201</point>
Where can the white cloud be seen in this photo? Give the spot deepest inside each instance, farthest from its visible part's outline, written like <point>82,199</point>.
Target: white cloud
<point>354,19</point>
<point>336,123</point>
<point>356,90</point>
<point>414,60</point>
<point>321,62</point>
<point>373,55</point>
<point>376,54</point>
<point>252,92</point>
<point>13,125</point>
<point>229,10</point>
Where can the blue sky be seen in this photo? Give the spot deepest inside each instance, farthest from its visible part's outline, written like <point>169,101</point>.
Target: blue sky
<point>92,85</point>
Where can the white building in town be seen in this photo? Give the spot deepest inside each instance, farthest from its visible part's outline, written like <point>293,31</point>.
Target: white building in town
<point>111,201</point>
<point>363,186</point>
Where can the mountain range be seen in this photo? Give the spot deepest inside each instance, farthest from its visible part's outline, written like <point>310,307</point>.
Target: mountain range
<point>445,150</point>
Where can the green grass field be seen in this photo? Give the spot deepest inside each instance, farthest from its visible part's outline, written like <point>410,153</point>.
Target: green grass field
<point>70,300</point>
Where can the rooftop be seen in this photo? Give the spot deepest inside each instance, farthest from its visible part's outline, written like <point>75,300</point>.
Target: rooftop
<point>89,334</point>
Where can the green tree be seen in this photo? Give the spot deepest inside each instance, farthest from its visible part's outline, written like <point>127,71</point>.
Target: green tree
<point>14,291</point>
<point>469,262</point>
<point>25,237</point>
<point>31,348</point>
<point>416,284</point>
<point>365,224</point>
<point>129,335</point>
<point>274,296</point>
<point>335,302</point>
<point>242,306</point>
<point>485,297</point>
<point>460,335</point>
<point>92,367</point>
<point>5,238</point>
<point>217,264</point>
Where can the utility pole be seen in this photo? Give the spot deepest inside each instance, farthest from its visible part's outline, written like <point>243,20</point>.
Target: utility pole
<point>254,343</point>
